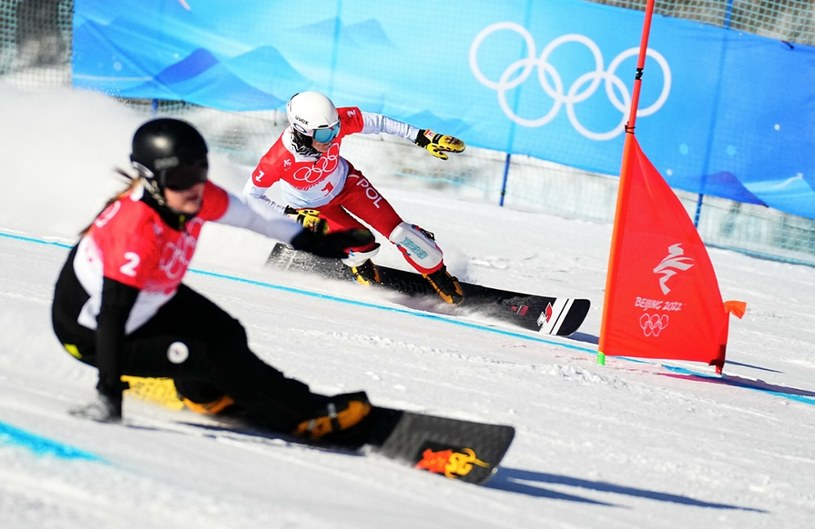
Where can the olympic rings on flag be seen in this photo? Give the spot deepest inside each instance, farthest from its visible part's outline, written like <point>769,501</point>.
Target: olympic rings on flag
<point>654,324</point>
<point>551,81</point>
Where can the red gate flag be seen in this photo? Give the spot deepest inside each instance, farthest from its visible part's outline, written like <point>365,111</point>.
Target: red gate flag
<point>662,297</point>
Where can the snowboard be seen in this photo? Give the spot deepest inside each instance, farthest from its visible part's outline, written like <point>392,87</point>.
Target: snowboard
<point>560,316</point>
<point>463,450</point>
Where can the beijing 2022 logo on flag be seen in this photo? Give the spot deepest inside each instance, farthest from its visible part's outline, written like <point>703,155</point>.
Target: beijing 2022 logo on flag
<point>675,262</point>
<point>584,87</point>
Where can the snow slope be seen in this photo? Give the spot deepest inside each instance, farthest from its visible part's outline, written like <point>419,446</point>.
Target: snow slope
<point>629,444</point>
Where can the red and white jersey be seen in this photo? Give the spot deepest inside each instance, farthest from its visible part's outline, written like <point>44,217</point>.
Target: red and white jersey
<point>129,242</point>
<point>314,179</point>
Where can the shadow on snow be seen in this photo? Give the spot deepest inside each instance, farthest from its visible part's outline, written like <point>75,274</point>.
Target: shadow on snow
<point>533,484</point>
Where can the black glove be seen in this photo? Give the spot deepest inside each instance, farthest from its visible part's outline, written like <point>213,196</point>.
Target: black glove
<point>335,245</point>
<point>438,144</point>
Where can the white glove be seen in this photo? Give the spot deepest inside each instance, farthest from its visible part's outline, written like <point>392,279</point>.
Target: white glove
<point>102,409</point>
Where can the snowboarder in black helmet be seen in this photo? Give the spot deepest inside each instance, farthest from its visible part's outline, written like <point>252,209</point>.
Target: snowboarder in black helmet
<point>119,303</point>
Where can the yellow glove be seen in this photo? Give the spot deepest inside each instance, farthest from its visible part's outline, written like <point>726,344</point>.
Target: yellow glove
<point>438,144</point>
<point>309,218</point>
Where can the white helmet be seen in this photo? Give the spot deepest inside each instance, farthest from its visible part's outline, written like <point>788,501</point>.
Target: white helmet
<point>313,114</point>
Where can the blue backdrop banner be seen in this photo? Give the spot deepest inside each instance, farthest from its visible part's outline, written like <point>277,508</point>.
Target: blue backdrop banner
<point>722,112</point>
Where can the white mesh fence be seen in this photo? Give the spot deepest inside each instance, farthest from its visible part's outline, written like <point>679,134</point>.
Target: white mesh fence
<point>35,37</point>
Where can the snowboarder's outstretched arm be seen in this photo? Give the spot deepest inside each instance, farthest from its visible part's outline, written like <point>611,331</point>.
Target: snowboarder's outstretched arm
<point>437,144</point>
<point>282,228</point>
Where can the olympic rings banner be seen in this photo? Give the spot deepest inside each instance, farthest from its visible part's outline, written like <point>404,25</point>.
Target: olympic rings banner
<point>721,113</point>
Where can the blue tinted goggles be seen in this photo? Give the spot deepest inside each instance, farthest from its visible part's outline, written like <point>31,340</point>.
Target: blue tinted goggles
<point>325,135</point>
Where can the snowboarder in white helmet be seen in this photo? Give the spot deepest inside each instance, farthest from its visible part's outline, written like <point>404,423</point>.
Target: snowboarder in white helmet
<point>323,190</point>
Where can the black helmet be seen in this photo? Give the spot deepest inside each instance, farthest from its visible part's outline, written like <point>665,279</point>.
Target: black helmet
<point>170,152</point>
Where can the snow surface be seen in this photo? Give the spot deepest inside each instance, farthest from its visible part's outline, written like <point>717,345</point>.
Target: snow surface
<point>628,444</point>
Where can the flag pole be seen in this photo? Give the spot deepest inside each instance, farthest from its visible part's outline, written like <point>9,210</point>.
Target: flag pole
<point>635,97</point>
<point>622,196</point>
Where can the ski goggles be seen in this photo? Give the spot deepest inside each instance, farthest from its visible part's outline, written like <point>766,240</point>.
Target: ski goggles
<point>186,176</point>
<point>326,134</point>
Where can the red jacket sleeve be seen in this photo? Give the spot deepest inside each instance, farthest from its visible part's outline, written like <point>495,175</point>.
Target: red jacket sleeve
<point>215,202</point>
<point>351,121</point>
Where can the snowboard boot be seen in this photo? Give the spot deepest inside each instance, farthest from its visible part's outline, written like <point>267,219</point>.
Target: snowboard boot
<point>366,273</point>
<point>447,286</point>
<point>340,413</point>
<point>213,407</point>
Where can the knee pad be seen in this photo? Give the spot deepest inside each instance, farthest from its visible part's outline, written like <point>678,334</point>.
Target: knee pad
<point>417,247</point>
<point>356,258</point>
